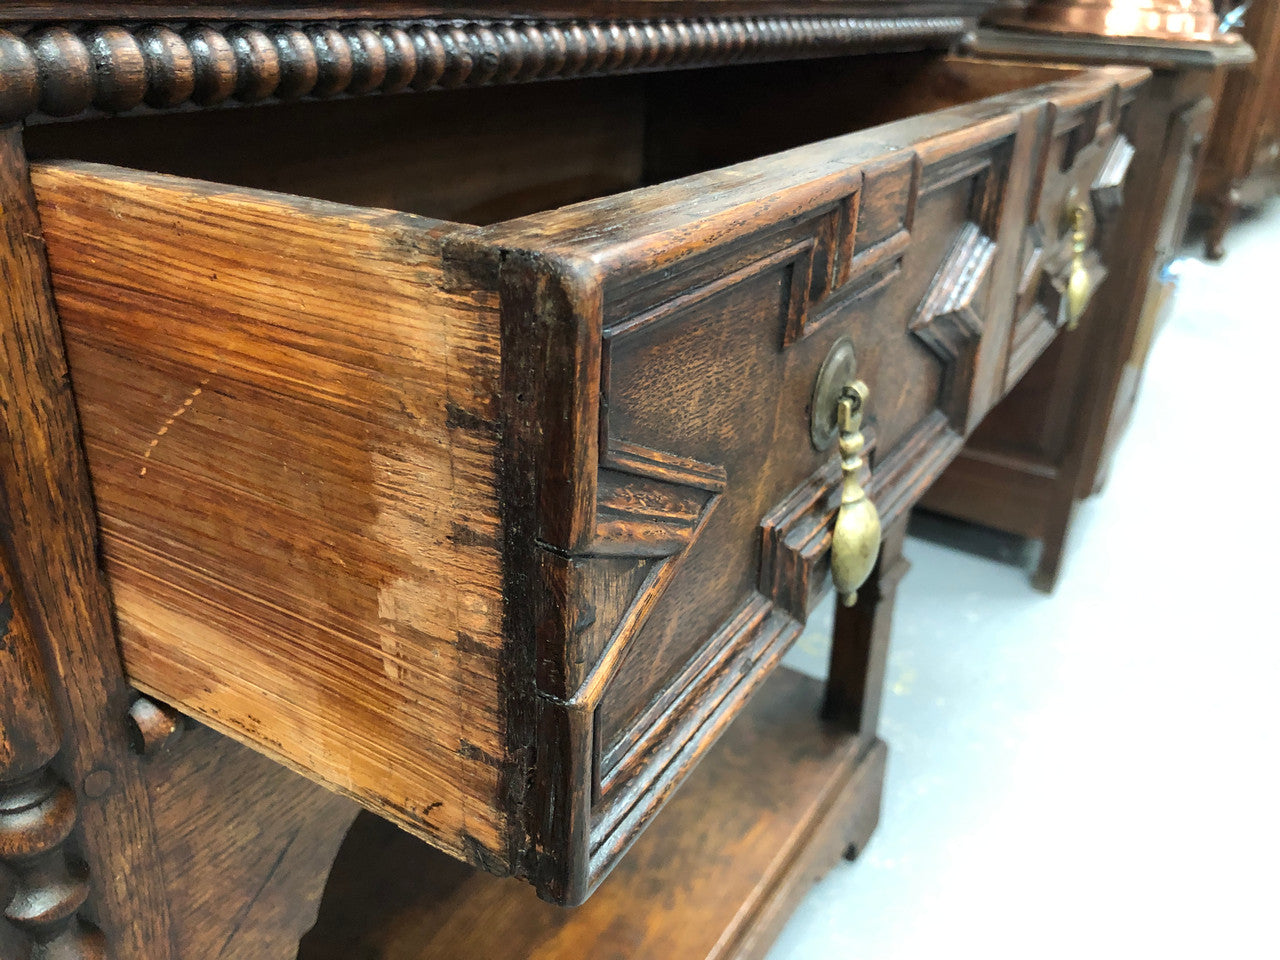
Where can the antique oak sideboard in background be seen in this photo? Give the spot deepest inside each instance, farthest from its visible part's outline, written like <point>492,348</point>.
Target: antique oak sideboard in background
<point>460,461</point>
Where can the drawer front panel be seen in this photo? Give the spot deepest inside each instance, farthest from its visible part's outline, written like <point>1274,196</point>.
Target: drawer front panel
<point>720,381</point>
<point>1085,163</point>
<point>681,510</point>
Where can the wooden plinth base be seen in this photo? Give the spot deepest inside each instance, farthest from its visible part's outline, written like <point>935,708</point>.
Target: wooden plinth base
<point>772,808</point>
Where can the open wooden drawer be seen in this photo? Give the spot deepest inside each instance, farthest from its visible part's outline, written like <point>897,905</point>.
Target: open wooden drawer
<point>494,527</point>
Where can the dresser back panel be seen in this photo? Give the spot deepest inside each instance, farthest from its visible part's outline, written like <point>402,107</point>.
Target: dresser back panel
<point>474,156</point>
<point>485,155</point>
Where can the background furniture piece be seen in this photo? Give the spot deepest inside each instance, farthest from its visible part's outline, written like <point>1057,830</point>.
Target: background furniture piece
<point>479,480</point>
<point>1242,160</point>
<point>1049,444</point>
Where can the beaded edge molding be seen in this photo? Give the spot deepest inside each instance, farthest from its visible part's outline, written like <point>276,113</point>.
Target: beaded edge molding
<point>61,72</point>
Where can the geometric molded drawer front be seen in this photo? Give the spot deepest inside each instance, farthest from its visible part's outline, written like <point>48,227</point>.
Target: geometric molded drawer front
<point>1084,164</point>
<point>495,528</point>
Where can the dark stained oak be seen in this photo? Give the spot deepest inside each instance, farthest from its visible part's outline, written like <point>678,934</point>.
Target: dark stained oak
<point>442,462</point>
<point>58,601</point>
<point>248,843</point>
<point>63,70</point>
<point>1049,444</point>
<point>37,808</point>
<point>665,324</point>
<point>774,805</point>
<point>860,647</point>
<point>484,552</point>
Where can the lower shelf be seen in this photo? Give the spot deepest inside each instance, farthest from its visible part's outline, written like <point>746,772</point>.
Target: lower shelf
<point>772,807</point>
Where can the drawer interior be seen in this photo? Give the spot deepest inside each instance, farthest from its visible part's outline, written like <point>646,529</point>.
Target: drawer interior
<point>485,155</point>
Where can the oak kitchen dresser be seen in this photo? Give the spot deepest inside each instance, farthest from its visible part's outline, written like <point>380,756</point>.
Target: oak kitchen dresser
<point>470,456</point>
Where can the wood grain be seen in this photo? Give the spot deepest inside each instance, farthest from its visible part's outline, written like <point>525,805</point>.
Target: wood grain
<point>63,70</point>
<point>295,480</point>
<point>772,807</point>
<point>646,322</point>
<point>467,522</point>
<point>50,538</point>
<point>1047,444</point>
<point>251,841</point>
<point>42,903</point>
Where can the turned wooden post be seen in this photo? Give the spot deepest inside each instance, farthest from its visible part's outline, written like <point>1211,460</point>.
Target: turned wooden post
<point>75,817</point>
<point>37,809</point>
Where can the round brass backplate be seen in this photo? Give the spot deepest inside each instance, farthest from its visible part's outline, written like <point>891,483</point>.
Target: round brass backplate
<point>836,373</point>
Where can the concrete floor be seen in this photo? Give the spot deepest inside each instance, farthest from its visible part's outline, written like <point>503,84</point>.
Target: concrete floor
<point>1094,773</point>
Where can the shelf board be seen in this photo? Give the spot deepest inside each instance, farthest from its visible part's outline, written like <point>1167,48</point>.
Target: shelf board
<point>772,807</point>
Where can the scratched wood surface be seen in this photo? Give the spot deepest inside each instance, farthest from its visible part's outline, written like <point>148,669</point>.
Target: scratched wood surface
<point>295,480</point>
<point>341,528</point>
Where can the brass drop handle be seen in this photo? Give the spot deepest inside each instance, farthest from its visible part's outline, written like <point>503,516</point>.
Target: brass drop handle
<point>1080,282</point>
<point>856,540</point>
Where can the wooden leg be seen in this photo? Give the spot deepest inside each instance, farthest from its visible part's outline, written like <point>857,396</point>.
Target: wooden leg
<point>1053,542</point>
<point>855,681</point>
<point>1223,213</point>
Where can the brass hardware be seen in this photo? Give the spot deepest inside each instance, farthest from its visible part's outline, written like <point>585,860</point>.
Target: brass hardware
<point>836,413</point>
<point>1080,282</point>
<point>836,373</point>
<point>856,540</point>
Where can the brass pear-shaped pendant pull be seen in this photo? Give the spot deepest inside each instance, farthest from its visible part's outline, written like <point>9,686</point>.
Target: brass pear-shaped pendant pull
<point>1079,283</point>
<point>856,541</point>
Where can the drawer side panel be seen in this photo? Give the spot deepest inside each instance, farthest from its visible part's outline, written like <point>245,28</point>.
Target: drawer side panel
<point>288,409</point>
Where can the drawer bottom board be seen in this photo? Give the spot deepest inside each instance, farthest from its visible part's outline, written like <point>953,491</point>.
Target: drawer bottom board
<point>773,806</point>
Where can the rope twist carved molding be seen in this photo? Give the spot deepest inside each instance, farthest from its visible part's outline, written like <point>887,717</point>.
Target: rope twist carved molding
<point>59,71</point>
